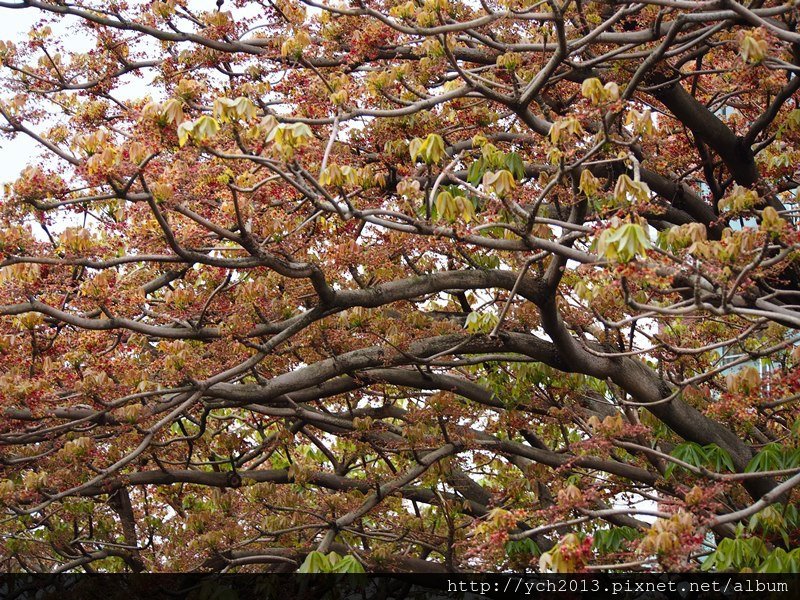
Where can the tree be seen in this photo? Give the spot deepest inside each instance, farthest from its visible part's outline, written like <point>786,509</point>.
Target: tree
<point>417,286</point>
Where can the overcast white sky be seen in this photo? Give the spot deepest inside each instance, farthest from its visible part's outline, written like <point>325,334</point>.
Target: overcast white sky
<point>14,25</point>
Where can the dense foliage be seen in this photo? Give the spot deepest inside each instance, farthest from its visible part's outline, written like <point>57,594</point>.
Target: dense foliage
<point>419,286</point>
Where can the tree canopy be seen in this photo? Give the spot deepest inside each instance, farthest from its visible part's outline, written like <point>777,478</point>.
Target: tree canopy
<point>434,285</point>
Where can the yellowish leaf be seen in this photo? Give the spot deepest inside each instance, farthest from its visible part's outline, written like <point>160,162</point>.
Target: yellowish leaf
<point>500,182</point>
